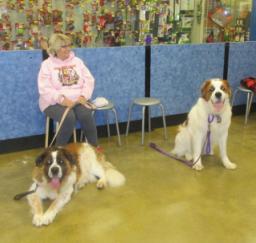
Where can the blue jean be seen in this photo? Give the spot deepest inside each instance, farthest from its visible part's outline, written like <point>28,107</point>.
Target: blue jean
<point>78,113</point>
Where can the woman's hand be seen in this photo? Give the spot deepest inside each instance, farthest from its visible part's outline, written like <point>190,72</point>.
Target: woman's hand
<point>81,100</point>
<point>67,102</point>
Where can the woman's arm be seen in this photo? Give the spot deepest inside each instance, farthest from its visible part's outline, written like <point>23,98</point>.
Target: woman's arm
<point>88,82</point>
<point>45,87</point>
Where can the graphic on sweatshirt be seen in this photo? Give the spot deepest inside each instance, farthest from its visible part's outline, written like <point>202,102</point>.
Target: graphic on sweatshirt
<point>68,75</point>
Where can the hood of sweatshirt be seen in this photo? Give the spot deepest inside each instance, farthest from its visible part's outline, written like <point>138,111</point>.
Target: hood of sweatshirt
<point>59,61</point>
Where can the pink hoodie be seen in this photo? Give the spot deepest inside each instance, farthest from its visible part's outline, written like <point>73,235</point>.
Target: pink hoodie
<point>70,78</point>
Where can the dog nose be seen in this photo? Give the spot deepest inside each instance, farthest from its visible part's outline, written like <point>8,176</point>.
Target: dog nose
<point>218,95</point>
<point>55,170</point>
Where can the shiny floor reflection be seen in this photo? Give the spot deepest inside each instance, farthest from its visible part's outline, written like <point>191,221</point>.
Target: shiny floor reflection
<point>163,201</point>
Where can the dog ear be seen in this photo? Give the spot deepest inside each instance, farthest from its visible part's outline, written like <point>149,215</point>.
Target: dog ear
<point>40,159</point>
<point>72,158</point>
<point>204,89</point>
<point>228,88</point>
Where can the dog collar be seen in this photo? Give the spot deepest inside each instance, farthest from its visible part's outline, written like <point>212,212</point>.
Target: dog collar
<point>212,116</point>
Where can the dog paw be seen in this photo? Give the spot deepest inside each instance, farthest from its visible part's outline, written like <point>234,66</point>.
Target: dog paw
<point>230,165</point>
<point>173,151</point>
<point>101,183</point>
<point>198,166</point>
<point>210,153</point>
<point>38,220</point>
<point>48,218</point>
<point>188,157</point>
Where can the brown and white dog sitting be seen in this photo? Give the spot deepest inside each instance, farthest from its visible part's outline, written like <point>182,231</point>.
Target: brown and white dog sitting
<point>60,171</point>
<point>212,110</point>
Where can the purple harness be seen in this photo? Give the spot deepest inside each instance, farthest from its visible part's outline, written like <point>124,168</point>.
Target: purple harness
<point>208,137</point>
<point>207,144</point>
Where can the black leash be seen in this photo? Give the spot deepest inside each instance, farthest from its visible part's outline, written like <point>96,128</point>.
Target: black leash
<point>23,194</point>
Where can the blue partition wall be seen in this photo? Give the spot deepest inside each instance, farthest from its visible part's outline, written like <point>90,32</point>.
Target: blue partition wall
<point>242,63</point>
<point>119,75</point>
<point>20,115</point>
<point>177,72</point>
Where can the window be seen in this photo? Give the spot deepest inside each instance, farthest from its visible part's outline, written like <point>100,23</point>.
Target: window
<point>25,24</point>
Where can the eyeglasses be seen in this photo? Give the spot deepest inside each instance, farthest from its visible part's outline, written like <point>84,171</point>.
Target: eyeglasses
<point>66,46</point>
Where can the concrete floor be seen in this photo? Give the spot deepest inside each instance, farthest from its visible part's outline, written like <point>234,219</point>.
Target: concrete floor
<point>163,201</point>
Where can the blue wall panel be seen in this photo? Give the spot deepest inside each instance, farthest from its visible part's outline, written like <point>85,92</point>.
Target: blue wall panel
<point>242,63</point>
<point>177,72</point>
<point>119,75</point>
<point>20,115</point>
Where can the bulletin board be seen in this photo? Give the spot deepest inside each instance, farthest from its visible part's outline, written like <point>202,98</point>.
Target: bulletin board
<point>95,23</point>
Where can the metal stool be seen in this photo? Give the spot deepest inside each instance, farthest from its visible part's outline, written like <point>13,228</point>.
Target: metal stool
<point>47,126</point>
<point>250,95</point>
<point>146,102</point>
<point>109,107</point>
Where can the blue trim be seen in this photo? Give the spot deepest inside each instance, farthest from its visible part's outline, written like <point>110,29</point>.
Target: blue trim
<point>253,22</point>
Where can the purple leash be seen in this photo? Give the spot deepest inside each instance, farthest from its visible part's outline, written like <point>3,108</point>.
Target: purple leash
<point>190,163</point>
<point>208,136</point>
<point>186,162</point>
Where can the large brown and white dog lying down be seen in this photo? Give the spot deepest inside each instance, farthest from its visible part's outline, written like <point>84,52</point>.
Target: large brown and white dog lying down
<point>211,110</point>
<point>60,171</point>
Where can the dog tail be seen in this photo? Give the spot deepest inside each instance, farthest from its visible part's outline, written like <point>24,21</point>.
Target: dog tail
<point>114,177</point>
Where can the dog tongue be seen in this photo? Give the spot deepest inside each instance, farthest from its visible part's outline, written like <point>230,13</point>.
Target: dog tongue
<point>218,105</point>
<point>55,183</point>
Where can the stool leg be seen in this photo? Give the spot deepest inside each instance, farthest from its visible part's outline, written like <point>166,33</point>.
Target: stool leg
<point>129,117</point>
<point>164,121</point>
<point>248,106</point>
<point>149,119</point>
<point>46,142</point>
<point>233,98</point>
<point>117,127</point>
<point>143,125</point>
<point>251,99</point>
<point>74,135</point>
<point>56,129</point>
<point>108,129</point>
<point>81,136</point>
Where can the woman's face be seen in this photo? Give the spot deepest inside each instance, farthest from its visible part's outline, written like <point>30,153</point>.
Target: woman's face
<point>64,51</point>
